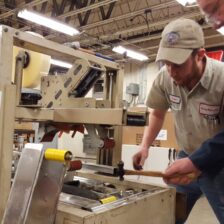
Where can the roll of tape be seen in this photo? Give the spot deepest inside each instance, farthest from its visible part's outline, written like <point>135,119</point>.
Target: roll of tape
<point>57,155</point>
<point>39,65</point>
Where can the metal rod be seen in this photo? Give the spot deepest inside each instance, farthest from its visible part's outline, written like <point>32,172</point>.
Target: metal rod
<point>20,59</point>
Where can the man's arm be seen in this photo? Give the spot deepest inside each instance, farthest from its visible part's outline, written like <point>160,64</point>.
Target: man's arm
<point>155,122</point>
<point>208,157</point>
<point>210,154</point>
<point>175,172</point>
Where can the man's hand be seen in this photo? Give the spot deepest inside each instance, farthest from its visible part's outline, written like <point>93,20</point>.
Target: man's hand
<point>175,172</point>
<point>139,159</point>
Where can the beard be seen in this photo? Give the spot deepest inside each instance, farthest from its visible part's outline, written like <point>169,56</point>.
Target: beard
<point>193,77</point>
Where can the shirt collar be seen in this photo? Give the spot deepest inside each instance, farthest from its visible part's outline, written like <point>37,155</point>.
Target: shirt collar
<point>208,73</point>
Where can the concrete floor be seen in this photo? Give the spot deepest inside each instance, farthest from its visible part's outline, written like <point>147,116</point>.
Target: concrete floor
<point>202,213</point>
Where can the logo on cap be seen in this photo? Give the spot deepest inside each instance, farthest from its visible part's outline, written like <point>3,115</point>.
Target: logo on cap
<point>172,38</point>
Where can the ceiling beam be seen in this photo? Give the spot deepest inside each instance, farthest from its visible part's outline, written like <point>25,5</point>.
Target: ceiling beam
<point>75,12</point>
<point>161,23</point>
<point>128,15</point>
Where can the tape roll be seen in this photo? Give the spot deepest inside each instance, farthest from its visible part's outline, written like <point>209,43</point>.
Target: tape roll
<point>57,155</point>
<point>39,65</point>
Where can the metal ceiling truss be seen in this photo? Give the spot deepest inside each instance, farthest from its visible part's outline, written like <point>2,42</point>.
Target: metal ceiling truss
<point>136,24</point>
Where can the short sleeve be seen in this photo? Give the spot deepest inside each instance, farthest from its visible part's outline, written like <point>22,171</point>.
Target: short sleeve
<point>157,98</point>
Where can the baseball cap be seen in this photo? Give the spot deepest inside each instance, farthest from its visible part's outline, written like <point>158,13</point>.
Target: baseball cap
<point>179,38</point>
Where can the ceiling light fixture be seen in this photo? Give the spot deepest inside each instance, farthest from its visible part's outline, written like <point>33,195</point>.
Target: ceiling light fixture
<point>60,63</point>
<point>48,22</point>
<point>187,3</point>
<point>130,53</point>
<point>221,30</point>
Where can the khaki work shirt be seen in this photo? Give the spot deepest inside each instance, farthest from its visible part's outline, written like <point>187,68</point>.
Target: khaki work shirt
<point>198,114</point>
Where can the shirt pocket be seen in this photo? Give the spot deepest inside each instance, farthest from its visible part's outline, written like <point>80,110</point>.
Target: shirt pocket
<point>175,102</point>
<point>211,117</point>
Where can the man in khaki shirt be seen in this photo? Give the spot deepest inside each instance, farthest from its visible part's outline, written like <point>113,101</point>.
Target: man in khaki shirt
<point>191,85</point>
<point>211,152</point>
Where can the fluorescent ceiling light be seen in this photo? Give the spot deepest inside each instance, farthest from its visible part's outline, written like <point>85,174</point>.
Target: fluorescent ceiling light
<point>60,63</point>
<point>187,2</point>
<point>130,53</point>
<point>221,30</point>
<point>48,22</point>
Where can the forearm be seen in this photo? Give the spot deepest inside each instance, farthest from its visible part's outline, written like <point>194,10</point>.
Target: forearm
<point>156,118</point>
<point>155,122</point>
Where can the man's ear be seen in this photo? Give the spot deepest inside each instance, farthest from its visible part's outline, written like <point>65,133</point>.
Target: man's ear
<point>201,53</point>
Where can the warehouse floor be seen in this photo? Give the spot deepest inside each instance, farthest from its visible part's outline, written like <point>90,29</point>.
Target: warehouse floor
<point>202,213</point>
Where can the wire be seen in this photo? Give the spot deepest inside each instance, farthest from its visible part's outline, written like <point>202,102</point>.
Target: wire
<point>145,17</point>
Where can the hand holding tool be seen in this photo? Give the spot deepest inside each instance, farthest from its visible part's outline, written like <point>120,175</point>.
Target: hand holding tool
<point>121,172</point>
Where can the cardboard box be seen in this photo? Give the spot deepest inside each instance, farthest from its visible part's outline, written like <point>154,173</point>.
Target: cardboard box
<point>24,126</point>
<point>132,135</point>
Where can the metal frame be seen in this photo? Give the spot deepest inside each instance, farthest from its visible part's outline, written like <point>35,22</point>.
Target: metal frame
<point>159,207</point>
<point>113,114</point>
<point>9,110</point>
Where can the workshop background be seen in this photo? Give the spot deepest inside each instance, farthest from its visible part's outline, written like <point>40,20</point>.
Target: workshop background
<point>104,25</point>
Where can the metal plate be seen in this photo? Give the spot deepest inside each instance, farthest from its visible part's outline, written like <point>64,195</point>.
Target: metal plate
<point>23,186</point>
<point>46,194</point>
<point>35,191</point>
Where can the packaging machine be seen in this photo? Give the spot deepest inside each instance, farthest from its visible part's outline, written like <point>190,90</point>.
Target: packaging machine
<point>61,105</point>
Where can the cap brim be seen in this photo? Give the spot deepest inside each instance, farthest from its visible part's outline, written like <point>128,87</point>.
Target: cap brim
<point>174,55</point>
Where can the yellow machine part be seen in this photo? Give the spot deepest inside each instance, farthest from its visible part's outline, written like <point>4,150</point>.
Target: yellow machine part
<point>108,199</point>
<point>57,155</point>
<point>39,65</point>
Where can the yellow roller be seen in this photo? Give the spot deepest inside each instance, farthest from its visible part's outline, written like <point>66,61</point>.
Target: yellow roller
<point>57,155</point>
<point>108,199</point>
<point>39,65</point>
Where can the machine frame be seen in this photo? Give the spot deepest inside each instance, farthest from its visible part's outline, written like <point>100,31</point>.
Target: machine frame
<point>11,110</point>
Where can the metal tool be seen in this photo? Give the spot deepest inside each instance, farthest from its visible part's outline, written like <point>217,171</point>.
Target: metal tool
<point>169,156</point>
<point>121,172</point>
<point>174,154</point>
